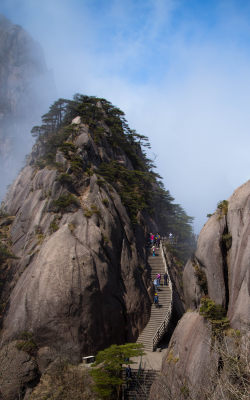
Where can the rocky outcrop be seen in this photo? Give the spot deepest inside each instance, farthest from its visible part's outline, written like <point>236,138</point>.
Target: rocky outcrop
<point>18,371</point>
<point>26,87</point>
<point>238,257</point>
<point>223,256</point>
<point>189,361</point>
<point>78,284</point>
<point>199,360</point>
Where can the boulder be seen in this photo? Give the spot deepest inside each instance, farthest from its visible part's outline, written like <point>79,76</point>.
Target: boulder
<point>18,370</point>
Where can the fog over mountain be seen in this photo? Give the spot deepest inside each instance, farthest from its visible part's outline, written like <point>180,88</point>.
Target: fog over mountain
<point>178,69</point>
<point>26,87</point>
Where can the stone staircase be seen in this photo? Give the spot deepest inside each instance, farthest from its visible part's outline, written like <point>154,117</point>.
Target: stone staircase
<point>159,317</point>
<point>138,387</point>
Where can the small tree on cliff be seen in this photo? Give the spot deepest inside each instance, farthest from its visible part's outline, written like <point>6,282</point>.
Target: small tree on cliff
<point>107,369</point>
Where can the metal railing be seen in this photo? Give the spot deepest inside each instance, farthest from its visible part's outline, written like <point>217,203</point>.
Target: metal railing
<point>164,325</point>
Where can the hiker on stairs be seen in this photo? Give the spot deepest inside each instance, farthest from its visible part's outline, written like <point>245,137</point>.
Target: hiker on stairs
<point>156,284</point>
<point>153,251</point>
<point>156,300</point>
<point>128,376</point>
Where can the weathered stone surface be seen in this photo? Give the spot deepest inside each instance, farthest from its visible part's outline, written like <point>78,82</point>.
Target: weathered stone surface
<point>209,256</point>
<point>189,361</point>
<point>226,269</point>
<point>238,220</point>
<point>223,254</point>
<point>17,370</point>
<point>45,357</point>
<point>77,287</point>
<point>192,291</point>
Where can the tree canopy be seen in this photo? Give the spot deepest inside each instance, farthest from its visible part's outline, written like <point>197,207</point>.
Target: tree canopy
<point>107,369</point>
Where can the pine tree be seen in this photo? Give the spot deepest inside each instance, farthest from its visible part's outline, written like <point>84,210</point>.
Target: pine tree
<point>107,369</point>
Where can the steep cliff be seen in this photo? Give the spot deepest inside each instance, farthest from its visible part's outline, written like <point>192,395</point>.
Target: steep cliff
<point>223,258</point>
<point>25,89</point>
<point>208,355</point>
<point>73,230</point>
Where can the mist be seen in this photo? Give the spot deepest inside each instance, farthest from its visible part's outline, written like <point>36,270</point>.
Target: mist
<point>26,87</point>
<point>179,70</point>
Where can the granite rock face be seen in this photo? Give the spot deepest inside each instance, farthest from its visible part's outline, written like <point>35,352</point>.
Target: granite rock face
<point>78,284</point>
<point>194,364</point>
<point>189,361</point>
<point>238,220</point>
<point>223,254</point>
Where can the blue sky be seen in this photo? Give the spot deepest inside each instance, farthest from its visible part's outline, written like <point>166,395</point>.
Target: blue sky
<point>180,69</point>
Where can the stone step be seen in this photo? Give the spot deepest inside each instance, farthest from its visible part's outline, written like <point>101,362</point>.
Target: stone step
<point>138,387</point>
<point>157,314</point>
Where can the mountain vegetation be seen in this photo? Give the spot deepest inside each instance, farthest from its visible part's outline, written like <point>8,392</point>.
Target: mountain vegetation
<point>139,186</point>
<point>107,369</point>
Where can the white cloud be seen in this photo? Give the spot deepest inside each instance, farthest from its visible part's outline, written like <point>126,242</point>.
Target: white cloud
<point>185,86</point>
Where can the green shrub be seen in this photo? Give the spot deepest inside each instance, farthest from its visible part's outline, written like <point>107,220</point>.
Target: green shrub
<point>223,207</point>
<point>215,314</point>
<point>54,225</point>
<point>185,391</point>
<point>107,369</point>
<point>26,343</point>
<point>76,165</point>
<point>132,185</point>
<point>40,238</point>
<point>201,278</point>
<point>98,134</point>
<point>27,346</point>
<point>65,178</point>
<point>95,210</point>
<point>89,171</point>
<point>39,234</point>
<point>210,310</point>
<point>40,164</point>
<point>67,147</point>
<point>25,335</point>
<point>88,213</point>
<point>64,202</point>
<point>100,182</point>
<point>227,240</point>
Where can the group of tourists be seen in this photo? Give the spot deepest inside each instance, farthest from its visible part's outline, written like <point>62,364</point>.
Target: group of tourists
<point>155,240</point>
<point>157,281</point>
<point>157,285</point>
